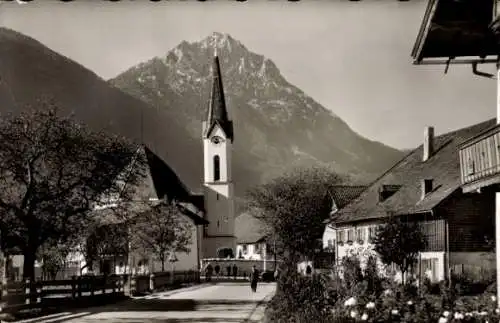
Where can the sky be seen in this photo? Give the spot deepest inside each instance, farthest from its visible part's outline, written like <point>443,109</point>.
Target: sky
<point>351,57</point>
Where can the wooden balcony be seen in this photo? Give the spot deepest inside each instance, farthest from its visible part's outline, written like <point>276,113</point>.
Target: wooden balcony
<point>480,160</point>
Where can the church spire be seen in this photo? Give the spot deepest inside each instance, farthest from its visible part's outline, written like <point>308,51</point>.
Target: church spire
<point>217,111</point>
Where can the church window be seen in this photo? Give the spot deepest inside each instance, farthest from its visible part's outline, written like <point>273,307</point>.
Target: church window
<point>216,168</point>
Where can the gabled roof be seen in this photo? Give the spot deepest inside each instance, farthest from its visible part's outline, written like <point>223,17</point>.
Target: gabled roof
<point>160,182</point>
<point>342,195</point>
<point>249,229</point>
<point>443,168</point>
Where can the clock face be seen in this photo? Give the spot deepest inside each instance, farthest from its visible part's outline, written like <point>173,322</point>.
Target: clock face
<point>217,140</point>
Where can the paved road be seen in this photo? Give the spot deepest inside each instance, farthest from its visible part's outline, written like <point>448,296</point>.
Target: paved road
<point>217,303</point>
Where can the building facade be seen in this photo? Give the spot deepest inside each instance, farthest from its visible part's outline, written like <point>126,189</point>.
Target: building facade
<point>425,187</point>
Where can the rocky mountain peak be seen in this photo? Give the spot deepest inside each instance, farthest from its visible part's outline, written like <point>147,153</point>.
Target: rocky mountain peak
<point>276,123</point>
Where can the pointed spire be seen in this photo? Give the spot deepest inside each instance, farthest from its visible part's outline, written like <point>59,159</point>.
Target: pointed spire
<point>217,111</point>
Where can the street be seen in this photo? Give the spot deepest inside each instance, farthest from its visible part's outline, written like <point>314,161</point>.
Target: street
<point>214,303</point>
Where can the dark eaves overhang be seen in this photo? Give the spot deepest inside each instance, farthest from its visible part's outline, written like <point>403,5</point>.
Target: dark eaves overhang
<point>192,212</point>
<point>347,222</point>
<point>457,32</point>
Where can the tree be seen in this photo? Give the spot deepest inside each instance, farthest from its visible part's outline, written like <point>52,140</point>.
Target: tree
<point>294,206</point>
<point>52,172</point>
<point>162,230</point>
<point>399,242</point>
<point>109,240</point>
<point>53,257</point>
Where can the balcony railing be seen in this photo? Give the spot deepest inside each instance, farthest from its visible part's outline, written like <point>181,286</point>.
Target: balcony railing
<point>480,160</point>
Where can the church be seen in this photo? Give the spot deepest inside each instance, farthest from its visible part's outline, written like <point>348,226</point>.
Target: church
<point>219,240</point>
<point>210,213</point>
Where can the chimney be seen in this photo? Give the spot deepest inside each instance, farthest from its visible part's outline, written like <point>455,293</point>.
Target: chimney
<point>426,187</point>
<point>428,143</point>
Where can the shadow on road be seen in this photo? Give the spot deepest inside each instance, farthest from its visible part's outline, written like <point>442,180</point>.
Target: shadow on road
<point>151,305</point>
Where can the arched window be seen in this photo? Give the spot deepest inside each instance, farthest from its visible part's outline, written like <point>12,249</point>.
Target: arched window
<point>216,168</point>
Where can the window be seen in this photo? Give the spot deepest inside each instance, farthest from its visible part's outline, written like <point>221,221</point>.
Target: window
<point>350,235</point>
<point>244,248</point>
<point>360,234</point>
<point>341,236</point>
<point>216,168</point>
<point>330,244</point>
<point>372,232</point>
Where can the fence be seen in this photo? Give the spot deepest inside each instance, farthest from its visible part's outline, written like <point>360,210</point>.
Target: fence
<point>18,296</point>
<point>141,284</point>
<point>474,272</point>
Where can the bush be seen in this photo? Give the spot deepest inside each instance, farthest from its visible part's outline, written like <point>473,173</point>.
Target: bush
<point>466,284</point>
<point>364,296</point>
<point>300,299</point>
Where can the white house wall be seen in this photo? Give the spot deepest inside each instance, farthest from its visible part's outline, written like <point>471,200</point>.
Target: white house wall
<point>252,252</point>
<point>436,272</point>
<point>329,235</point>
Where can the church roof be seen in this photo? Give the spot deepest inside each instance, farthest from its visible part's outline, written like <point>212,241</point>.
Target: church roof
<point>159,182</point>
<point>217,110</point>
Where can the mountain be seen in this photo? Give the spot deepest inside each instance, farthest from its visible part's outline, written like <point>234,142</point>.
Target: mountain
<point>29,71</point>
<point>277,126</point>
<point>169,96</point>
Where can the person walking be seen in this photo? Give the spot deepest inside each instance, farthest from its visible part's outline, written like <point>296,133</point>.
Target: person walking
<point>254,278</point>
<point>235,271</point>
<point>208,272</point>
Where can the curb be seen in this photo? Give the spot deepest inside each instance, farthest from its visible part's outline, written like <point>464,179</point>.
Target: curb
<point>257,314</point>
<point>173,292</point>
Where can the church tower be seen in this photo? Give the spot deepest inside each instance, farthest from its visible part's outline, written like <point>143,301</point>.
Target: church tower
<point>218,138</point>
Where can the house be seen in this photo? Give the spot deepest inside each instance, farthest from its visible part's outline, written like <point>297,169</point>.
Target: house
<point>160,184</point>
<point>426,187</point>
<point>251,238</point>
<point>341,196</point>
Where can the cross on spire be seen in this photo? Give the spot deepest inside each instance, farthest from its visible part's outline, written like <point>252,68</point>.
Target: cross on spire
<point>214,36</point>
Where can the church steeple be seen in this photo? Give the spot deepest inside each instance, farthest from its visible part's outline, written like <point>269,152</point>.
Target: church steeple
<point>217,111</point>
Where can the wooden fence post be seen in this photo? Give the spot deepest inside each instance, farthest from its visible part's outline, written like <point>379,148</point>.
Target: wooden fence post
<point>5,290</point>
<point>92,285</point>
<point>79,286</point>
<point>133,283</point>
<point>152,282</point>
<point>27,291</point>
<point>39,289</point>
<point>121,283</point>
<point>73,286</point>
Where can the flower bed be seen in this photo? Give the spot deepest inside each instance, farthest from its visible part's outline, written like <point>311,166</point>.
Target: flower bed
<point>363,296</point>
